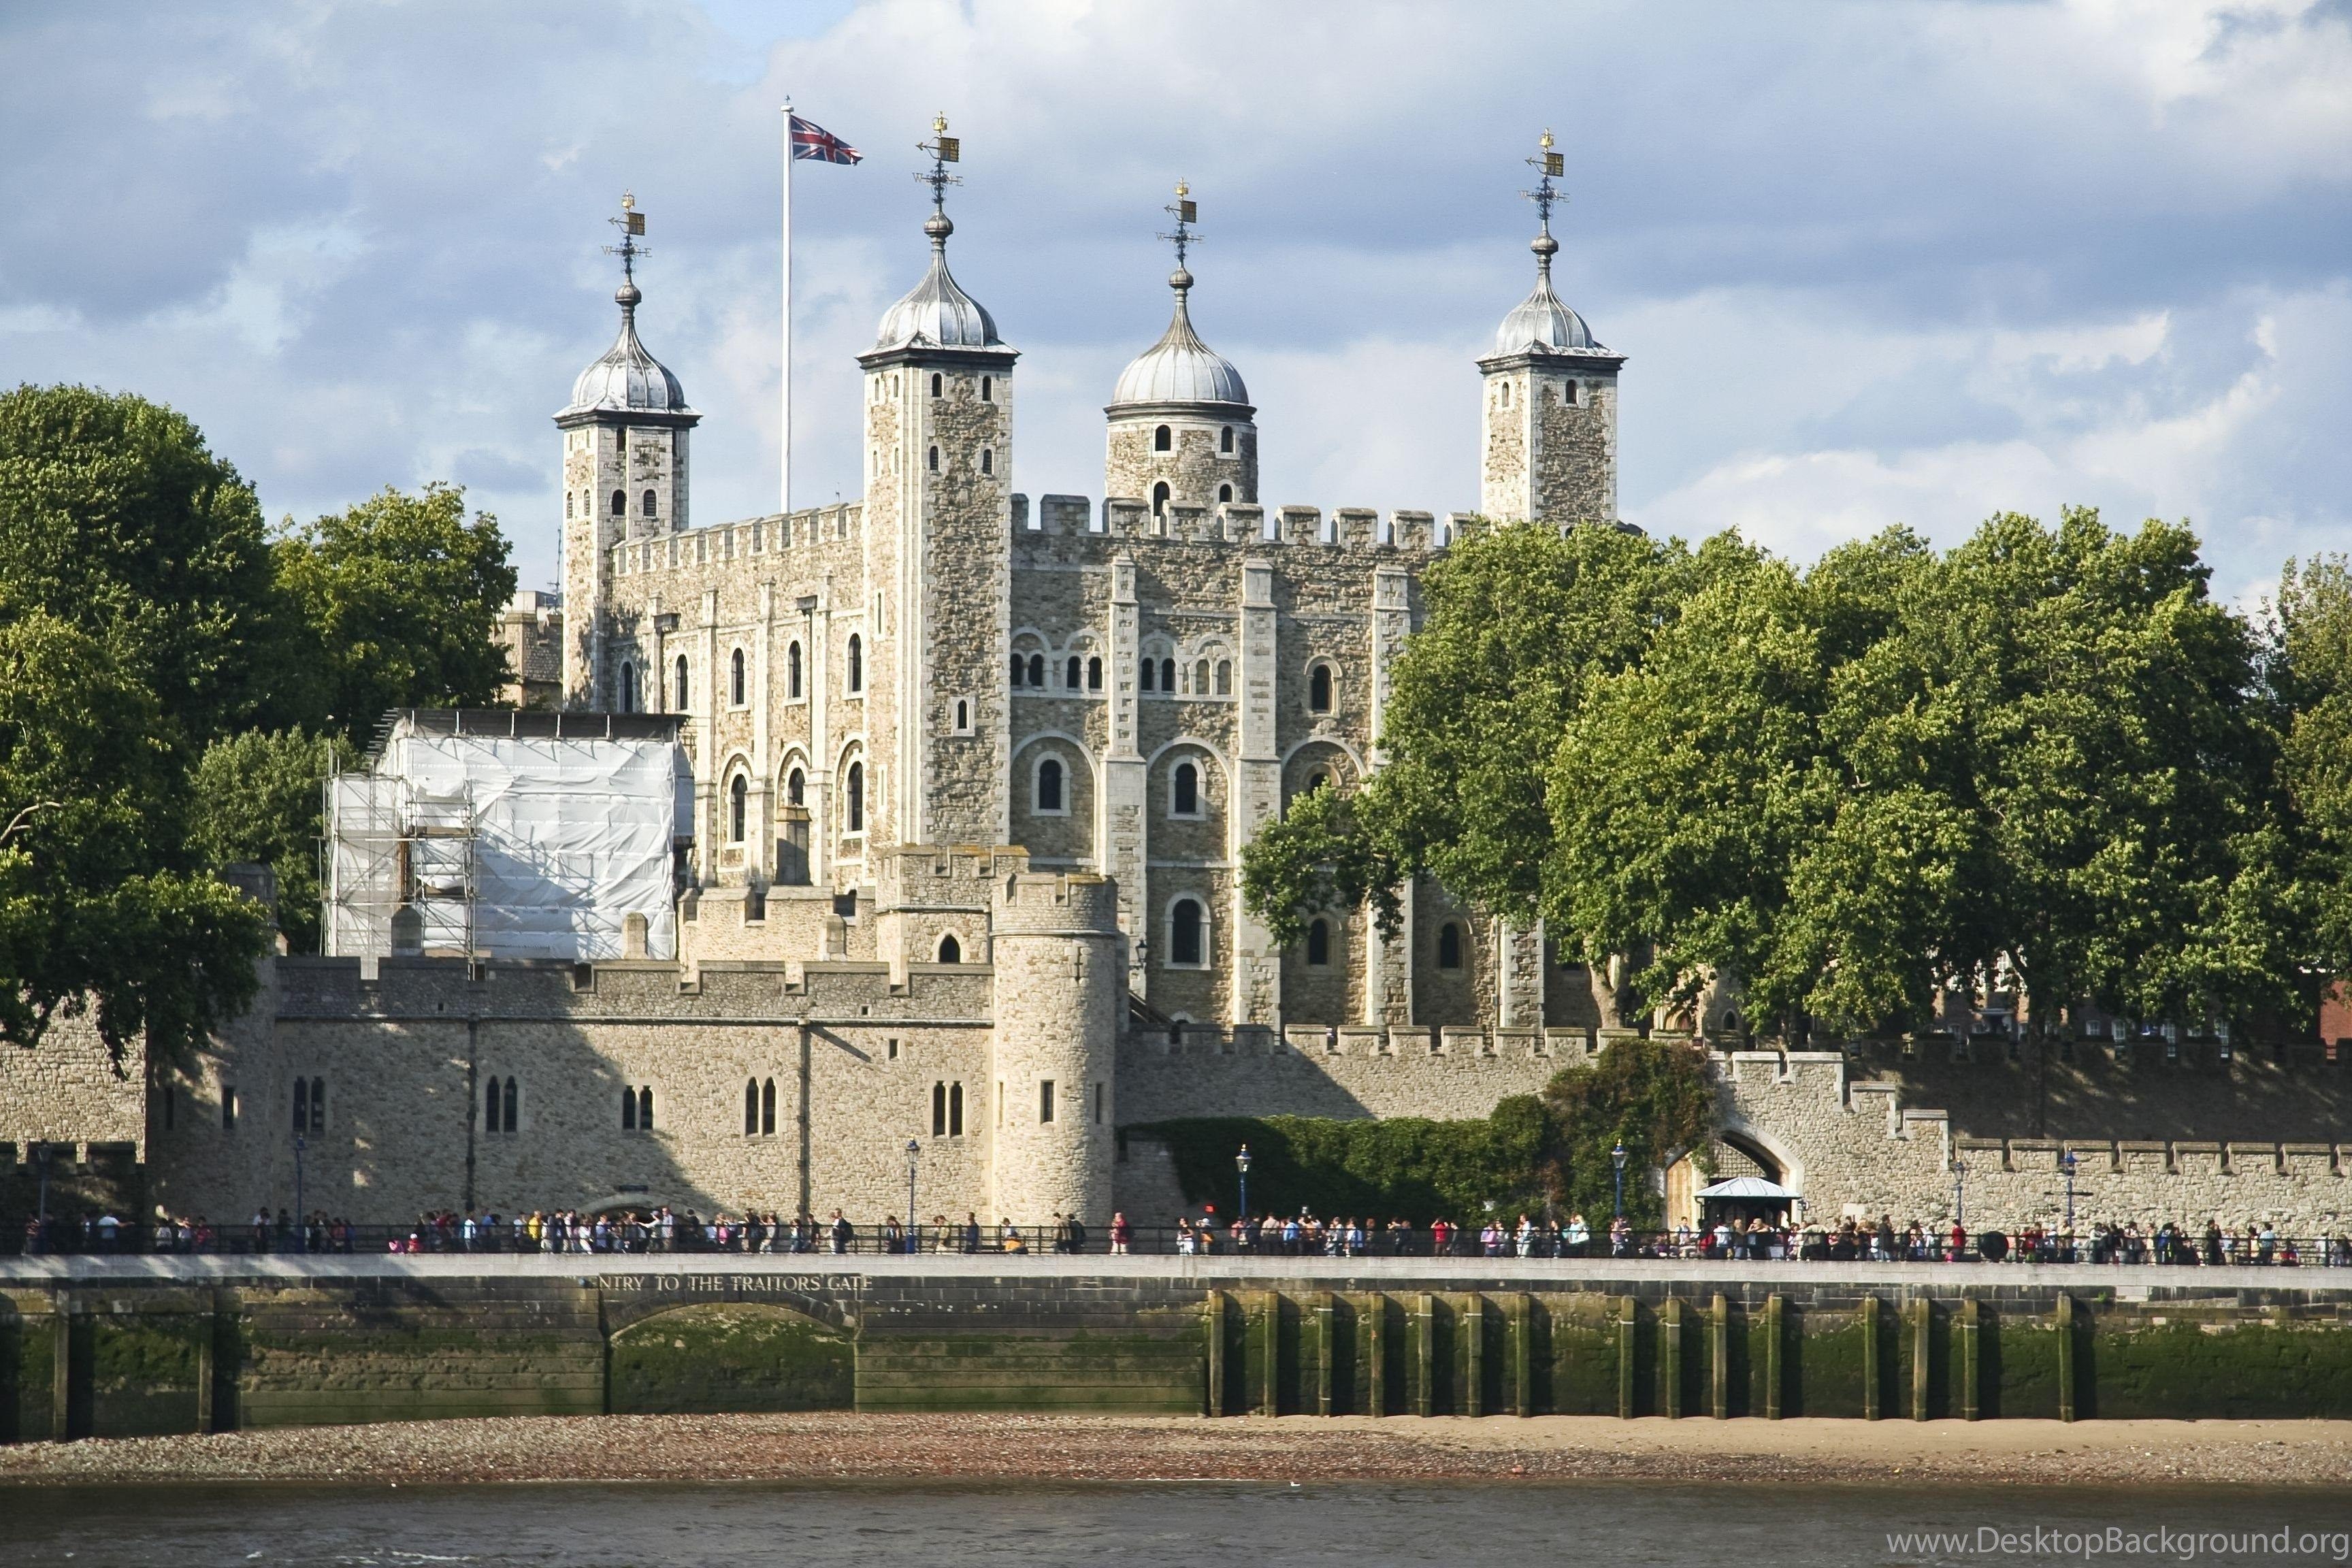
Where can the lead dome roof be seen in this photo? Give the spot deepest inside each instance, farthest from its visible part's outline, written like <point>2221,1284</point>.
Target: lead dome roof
<point>936,313</point>
<point>626,379</point>
<point>1179,367</point>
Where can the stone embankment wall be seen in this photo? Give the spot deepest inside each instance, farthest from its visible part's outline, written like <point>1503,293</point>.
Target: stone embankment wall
<point>154,1346</point>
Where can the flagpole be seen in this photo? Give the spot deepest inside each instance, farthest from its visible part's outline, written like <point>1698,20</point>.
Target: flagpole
<point>784,477</point>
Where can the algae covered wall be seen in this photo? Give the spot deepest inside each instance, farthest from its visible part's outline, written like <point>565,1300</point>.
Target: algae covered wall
<point>157,1347</point>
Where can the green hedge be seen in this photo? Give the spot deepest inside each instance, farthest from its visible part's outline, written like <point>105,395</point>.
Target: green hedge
<point>1411,1166</point>
<point>1533,1153</point>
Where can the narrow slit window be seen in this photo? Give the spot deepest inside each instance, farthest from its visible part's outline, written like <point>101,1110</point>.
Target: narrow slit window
<point>1070,674</point>
<point>767,1106</point>
<point>751,1107</point>
<point>856,792</point>
<point>856,662</point>
<point>792,671</point>
<point>1318,945</point>
<point>1046,1100</point>
<point>1184,922</point>
<point>1094,675</point>
<point>955,1111</point>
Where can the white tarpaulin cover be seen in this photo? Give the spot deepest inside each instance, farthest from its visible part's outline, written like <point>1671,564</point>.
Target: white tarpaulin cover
<point>558,841</point>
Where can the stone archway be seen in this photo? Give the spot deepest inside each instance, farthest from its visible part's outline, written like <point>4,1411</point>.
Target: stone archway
<point>729,1357</point>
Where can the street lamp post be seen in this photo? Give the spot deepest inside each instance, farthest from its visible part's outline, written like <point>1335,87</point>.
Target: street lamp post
<point>1242,1164</point>
<point>1960,1192</point>
<point>1617,1159</point>
<point>2066,1163</point>
<point>914,1231</point>
<point>301,1224</point>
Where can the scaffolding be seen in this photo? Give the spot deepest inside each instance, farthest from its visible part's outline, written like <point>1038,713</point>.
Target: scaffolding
<point>483,835</point>
<point>403,871</point>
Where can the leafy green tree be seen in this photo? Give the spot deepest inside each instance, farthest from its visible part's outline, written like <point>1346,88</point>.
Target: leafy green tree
<point>402,595</point>
<point>102,911</point>
<point>1519,620</point>
<point>256,798</point>
<point>115,518</point>
<point>2311,676</point>
<point>1652,1096</point>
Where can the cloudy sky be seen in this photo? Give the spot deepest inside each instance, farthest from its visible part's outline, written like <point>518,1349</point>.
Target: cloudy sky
<point>1871,263</point>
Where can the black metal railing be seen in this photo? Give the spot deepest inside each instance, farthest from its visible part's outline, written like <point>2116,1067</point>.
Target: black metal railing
<point>686,1235</point>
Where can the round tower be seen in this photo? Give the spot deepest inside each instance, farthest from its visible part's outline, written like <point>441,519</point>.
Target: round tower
<point>1548,416</point>
<point>1061,984</point>
<point>1183,432</point>
<point>624,473</point>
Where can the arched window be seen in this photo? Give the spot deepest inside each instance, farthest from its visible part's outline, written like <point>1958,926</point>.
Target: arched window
<point>767,1105</point>
<point>1167,675</point>
<point>796,787</point>
<point>682,704</point>
<point>647,508</point>
<point>1159,498</point>
<point>1070,673</point>
<point>628,686</point>
<point>301,1105</point>
<point>955,1111</point>
<point>856,663</point>
<point>935,459</point>
<point>1319,688</point>
<point>1184,924</point>
<point>646,1109</point>
<point>1150,674</point>
<point>1318,945</point>
<point>1200,678</point>
<point>1049,785</point>
<point>1019,670</point>
<point>1449,946</point>
<point>936,385</point>
<point>792,670</point>
<point>988,389</point>
<point>738,793</point>
<point>1094,675</point>
<point>751,1107</point>
<point>1184,791</point>
<point>940,1109</point>
<point>620,503</point>
<point>988,459</point>
<point>1224,492</point>
<point>1037,670</point>
<point>1225,440</point>
<point>735,684</point>
<point>1316,781</point>
<point>1162,439</point>
<point>1224,678</point>
<point>510,1101</point>
<point>1507,394</point>
<point>963,715</point>
<point>317,1105</point>
<point>628,1108</point>
<point>857,797</point>
<point>569,499</point>
<point>951,950</point>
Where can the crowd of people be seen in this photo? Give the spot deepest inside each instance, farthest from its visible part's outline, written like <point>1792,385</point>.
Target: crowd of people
<point>659,1228</point>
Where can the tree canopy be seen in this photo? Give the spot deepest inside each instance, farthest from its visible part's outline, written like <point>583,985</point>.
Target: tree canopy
<point>2047,757</point>
<point>174,684</point>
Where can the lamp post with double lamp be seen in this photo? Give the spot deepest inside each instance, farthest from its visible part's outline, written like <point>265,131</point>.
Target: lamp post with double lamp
<point>1617,1159</point>
<point>1242,1164</point>
<point>914,1232</point>
<point>1960,1194</point>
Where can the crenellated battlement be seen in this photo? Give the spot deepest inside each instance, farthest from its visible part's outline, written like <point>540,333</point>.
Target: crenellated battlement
<point>728,543</point>
<point>1236,523</point>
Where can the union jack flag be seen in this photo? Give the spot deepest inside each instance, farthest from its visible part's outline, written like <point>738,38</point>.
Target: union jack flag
<point>810,141</point>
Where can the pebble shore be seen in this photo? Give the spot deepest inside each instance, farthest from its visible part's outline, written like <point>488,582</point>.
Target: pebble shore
<point>984,1448</point>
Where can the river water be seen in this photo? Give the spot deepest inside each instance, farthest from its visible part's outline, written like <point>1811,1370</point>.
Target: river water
<point>1155,1525</point>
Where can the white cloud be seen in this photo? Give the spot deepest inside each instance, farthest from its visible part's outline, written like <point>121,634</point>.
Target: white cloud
<point>1868,261</point>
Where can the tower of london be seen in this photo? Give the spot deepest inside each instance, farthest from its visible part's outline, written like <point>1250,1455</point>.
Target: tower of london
<point>964,779</point>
